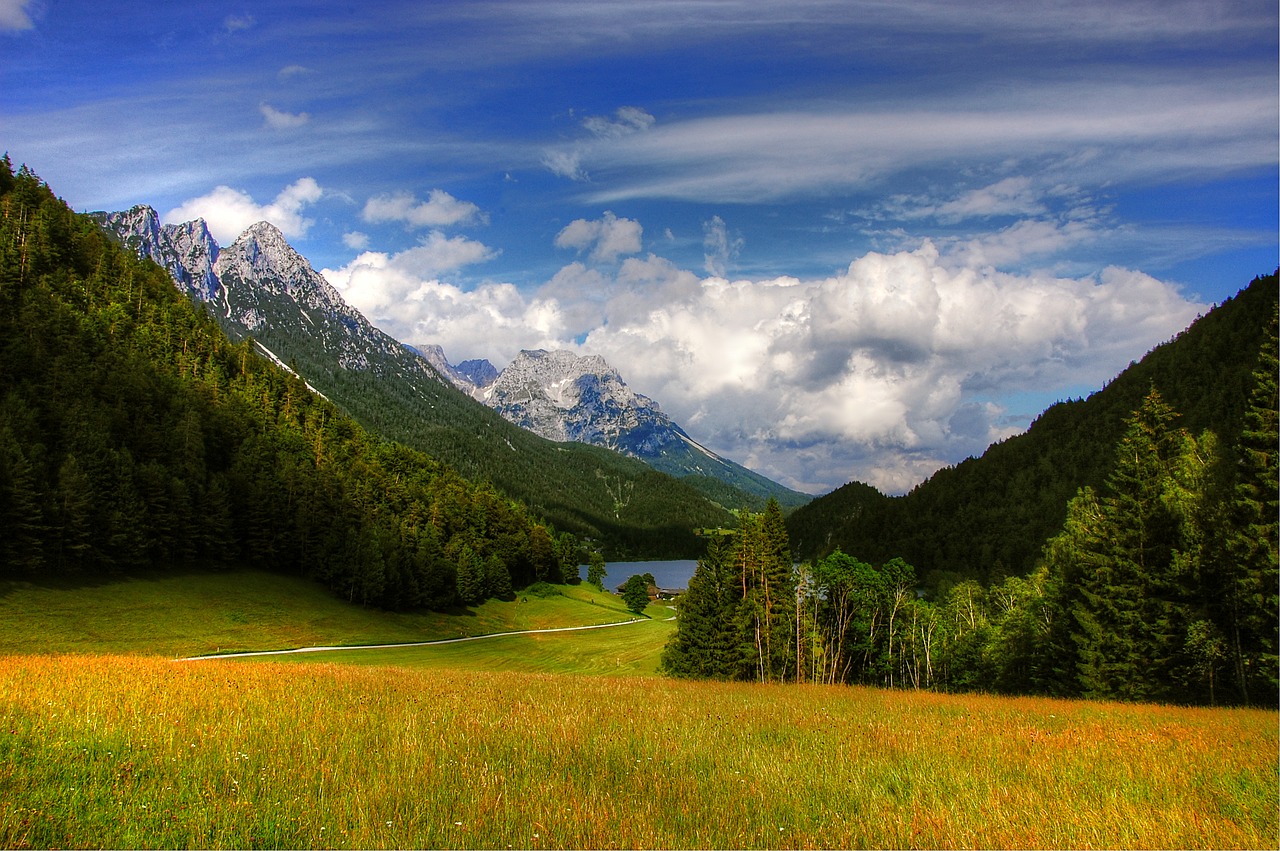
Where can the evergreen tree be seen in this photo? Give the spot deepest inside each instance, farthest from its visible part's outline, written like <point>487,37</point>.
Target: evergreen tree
<point>472,587</point>
<point>1246,554</point>
<point>702,643</point>
<point>497,579</point>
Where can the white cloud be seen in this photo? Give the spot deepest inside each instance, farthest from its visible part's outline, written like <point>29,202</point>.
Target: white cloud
<point>901,364</point>
<point>436,254</point>
<point>14,15</point>
<point>565,164</point>
<point>235,23</point>
<point>291,71</point>
<point>439,210</point>
<point>626,120</point>
<point>402,296</point>
<point>721,249</point>
<point>608,238</point>
<point>229,211</point>
<point>1019,195</point>
<point>355,239</point>
<point>278,120</point>
<point>1092,131</point>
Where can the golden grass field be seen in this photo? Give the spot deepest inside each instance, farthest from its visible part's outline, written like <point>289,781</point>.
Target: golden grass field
<point>134,751</point>
<point>142,752</point>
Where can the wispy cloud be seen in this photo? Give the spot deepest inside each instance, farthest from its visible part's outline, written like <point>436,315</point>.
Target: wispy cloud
<point>279,120</point>
<point>15,15</point>
<point>626,120</point>
<point>1096,131</point>
<point>235,23</point>
<point>290,72</point>
<point>721,248</point>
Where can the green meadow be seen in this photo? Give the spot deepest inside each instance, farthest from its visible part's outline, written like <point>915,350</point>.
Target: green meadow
<point>553,740</point>
<point>228,612</point>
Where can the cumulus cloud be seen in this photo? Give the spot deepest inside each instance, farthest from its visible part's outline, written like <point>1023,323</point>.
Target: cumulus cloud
<point>882,373</point>
<point>607,238</point>
<point>14,15</point>
<point>279,120</point>
<point>404,296</point>
<point>905,361</point>
<point>439,210</point>
<point>229,211</point>
<point>902,363</point>
<point>355,239</point>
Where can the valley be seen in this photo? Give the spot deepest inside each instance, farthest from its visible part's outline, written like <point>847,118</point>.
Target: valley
<point>170,492</point>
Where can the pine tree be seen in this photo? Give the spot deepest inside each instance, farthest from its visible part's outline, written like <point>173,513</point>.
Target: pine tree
<point>701,644</point>
<point>1134,570</point>
<point>1247,560</point>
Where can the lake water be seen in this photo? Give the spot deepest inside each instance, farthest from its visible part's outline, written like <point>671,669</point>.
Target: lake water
<point>674,575</point>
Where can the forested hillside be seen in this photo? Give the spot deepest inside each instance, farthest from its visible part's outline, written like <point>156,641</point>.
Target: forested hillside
<point>261,288</point>
<point>134,434</point>
<point>989,517</point>
<point>1161,585</point>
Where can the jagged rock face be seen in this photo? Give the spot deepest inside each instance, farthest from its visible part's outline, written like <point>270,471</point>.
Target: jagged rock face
<point>465,376</point>
<point>565,397</point>
<point>260,285</point>
<point>187,251</point>
<point>479,372</point>
<point>264,279</point>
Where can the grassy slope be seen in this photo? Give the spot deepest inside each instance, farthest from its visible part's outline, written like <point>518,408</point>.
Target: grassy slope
<point>222,612</point>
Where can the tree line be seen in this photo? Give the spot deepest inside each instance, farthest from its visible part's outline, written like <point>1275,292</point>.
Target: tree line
<point>1161,585</point>
<point>135,436</point>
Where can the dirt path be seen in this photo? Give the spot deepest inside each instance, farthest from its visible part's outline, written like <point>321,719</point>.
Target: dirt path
<point>406,644</point>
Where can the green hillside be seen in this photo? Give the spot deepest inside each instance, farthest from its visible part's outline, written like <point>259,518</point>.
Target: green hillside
<point>135,436</point>
<point>592,492</point>
<point>989,517</point>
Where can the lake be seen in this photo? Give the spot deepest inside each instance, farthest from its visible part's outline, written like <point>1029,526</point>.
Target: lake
<point>673,575</point>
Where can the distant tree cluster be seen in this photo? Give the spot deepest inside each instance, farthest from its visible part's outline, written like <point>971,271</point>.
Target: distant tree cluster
<point>134,435</point>
<point>1162,586</point>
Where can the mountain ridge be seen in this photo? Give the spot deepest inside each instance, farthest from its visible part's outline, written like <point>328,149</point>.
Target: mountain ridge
<point>263,287</point>
<point>269,293</point>
<point>563,397</point>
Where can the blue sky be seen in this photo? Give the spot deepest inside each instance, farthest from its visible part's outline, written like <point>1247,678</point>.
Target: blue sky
<point>834,240</point>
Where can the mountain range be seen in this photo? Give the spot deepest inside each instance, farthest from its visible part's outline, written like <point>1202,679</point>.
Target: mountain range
<point>983,518</point>
<point>566,397</point>
<point>260,288</point>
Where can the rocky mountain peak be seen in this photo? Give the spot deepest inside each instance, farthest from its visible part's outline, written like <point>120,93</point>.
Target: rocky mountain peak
<point>262,255</point>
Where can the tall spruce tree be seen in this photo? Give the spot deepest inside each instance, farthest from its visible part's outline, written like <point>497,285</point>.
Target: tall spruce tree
<point>703,642</point>
<point>1247,551</point>
<point>1134,583</point>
